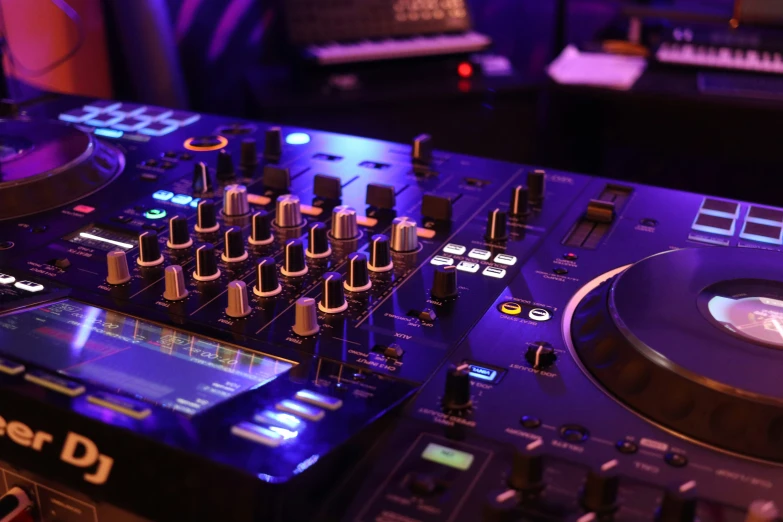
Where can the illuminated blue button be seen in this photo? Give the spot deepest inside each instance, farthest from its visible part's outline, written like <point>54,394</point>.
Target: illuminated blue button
<point>763,233</point>
<point>129,407</point>
<point>442,261</point>
<point>194,203</point>
<point>280,419</point>
<point>11,367</point>
<point>131,123</point>
<point>6,279</point>
<point>156,113</point>
<point>324,401</point>
<point>768,216</point>
<point>103,106</point>
<point>181,199</point>
<point>109,133</point>
<point>257,434</point>
<point>104,120</point>
<point>181,118</point>
<point>163,195</point>
<point>482,373</point>
<point>299,409</point>
<point>158,128</point>
<point>77,115</point>
<point>45,380</point>
<point>717,207</point>
<point>129,109</point>
<point>29,286</point>
<point>297,138</point>
<point>155,213</point>
<point>712,224</point>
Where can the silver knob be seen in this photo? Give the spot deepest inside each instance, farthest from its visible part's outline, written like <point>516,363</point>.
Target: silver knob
<point>289,211</point>
<point>238,305</point>
<point>117,264</point>
<point>175,284</point>
<point>403,235</point>
<point>306,322</point>
<point>235,202</point>
<point>344,223</point>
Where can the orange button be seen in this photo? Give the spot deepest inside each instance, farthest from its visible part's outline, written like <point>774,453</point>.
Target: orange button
<point>511,308</point>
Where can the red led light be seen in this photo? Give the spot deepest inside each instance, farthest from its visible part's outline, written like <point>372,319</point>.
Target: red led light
<point>465,70</point>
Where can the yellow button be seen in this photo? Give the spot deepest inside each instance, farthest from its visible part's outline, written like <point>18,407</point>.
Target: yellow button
<point>511,308</point>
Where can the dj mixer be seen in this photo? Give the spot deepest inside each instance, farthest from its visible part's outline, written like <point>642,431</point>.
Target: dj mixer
<point>203,318</point>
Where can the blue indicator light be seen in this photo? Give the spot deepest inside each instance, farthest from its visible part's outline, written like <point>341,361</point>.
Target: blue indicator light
<point>109,133</point>
<point>297,138</point>
<point>181,199</point>
<point>194,203</point>
<point>163,195</point>
<point>481,373</point>
<point>155,213</point>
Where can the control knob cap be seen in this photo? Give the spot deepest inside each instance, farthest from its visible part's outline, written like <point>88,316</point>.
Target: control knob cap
<point>225,166</point>
<point>527,467</point>
<point>234,250</point>
<point>206,263</point>
<point>422,149</point>
<point>519,201</point>
<point>267,284</point>
<point>540,355</point>
<point>332,295</point>
<point>175,284</point>
<point>344,224</point>
<point>206,219</point>
<point>306,322</point>
<point>235,202</point>
<point>260,229</point>
<point>536,185</point>
<point>202,179</point>
<point>444,284</point>
<point>318,241</point>
<point>179,235</point>
<point>273,144</point>
<point>380,254</point>
<point>358,275</point>
<point>294,264</point>
<point>117,268</point>
<point>501,506</point>
<point>289,211</point>
<point>678,504</point>
<point>238,304</point>
<point>599,493</point>
<point>456,395</point>
<point>762,511</point>
<point>248,154</point>
<point>403,235</point>
<point>496,226</point>
<point>149,250</point>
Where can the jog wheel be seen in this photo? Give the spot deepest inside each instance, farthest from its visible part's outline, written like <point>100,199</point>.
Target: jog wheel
<point>692,339</point>
<point>44,165</point>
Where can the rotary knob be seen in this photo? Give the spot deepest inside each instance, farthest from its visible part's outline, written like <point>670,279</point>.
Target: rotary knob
<point>599,493</point>
<point>179,235</point>
<point>422,149</point>
<point>358,274</point>
<point>536,185</point>
<point>678,504</point>
<point>332,295</point>
<point>344,225</point>
<point>248,154</point>
<point>404,236</point>
<point>289,211</point>
<point>762,511</point>
<point>261,229</point>
<point>294,264</point>
<point>234,249</point>
<point>206,218</point>
<point>206,263</point>
<point>267,284</point>
<point>380,254</point>
<point>225,166</point>
<point>501,506</point>
<point>496,226</point>
<point>202,180</point>
<point>527,468</point>
<point>306,322</point>
<point>117,268</point>
<point>519,201</point>
<point>456,395</point>
<point>238,304</point>
<point>444,284</point>
<point>540,355</point>
<point>235,202</point>
<point>318,242</point>
<point>149,250</point>
<point>174,280</point>
<point>273,144</point>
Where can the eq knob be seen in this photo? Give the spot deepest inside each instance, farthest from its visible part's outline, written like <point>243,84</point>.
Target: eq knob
<point>380,254</point>
<point>294,264</point>
<point>225,166</point>
<point>404,236</point>
<point>179,235</point>
<point>289,211</point>
<point>273,144</point>
<point>318,241</point>
<point>358,274</point>
<point>234,250</point>
<point>306,317</point>
<point>332,295</point>
<point>238,304</point>
<point>117,268</point>
<point>519,201</point>
<point>678,504</point>
<point>206,217</point>
<point>344,225</point>
<point>456,395</point>
<point>267,284</point>
<point>444,282</point>
<point>261,229</point>
<point>762,511</point>
<point>599,493</point>
<point>149,250</point>
<point>235,202</point>
<point>174,280</point>
<point>206,263</point>
<point>248,154</point>
<point>496,226</point>
<point>527,468</point>
<point>536,186</point>
<point>202,180</point>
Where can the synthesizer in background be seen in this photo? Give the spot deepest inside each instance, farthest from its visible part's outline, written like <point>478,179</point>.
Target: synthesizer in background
<point>212,319</point>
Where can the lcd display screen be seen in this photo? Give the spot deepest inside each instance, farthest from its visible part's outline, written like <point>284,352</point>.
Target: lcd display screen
<point>162,365</point>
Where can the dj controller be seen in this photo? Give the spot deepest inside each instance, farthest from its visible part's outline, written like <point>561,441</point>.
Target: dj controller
<point>210,319</point>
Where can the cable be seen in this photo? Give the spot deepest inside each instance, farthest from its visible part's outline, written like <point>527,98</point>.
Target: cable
<point>71,13</point>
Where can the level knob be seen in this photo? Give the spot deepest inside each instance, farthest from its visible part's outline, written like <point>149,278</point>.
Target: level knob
<point>306,322</point>
<point>456,395</point>
<point>289,211</point>
<point>235,202</point>
<point>496,226</point>
<point>234,249</point>
<point>527,467</point>
<point>273,144</point>
<point>206,263</point>
<point>444,282</point>
<point>762,511</point>
<point>380,254</point>
<point>202,180</point>
<point>267,284</point>
<point>599,493</point>
<point>174,279</point>
<point>404,236</point>
<point>294,262</point>
<point>318,241</point>
<point>179,234</point>
<point>225,166</point>
<point>261,229</point>
<point>344,225</point>
<point>519,201</point>
<point>248,155</point>
<point>332,295</point>
<point>206,218</point>
<point>422,149</point>
<point>678,504</point>
<point>238,304</point>
<point>536,185</point>
<point>358,274</point>
<point>117,268</point>
<point>540,355</point>
<point>149,250</point>
<point>501,506</point>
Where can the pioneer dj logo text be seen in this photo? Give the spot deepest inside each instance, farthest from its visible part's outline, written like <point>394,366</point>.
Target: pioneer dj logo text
<point>77,450</point>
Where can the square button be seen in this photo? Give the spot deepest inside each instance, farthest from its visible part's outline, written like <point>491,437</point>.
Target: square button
<point>442,261</point>
<point>770,216</point>
<point>257,434</point>
<point>158,128</point>
<point>497,273</point>
<point>468,266</point>
<point>129,407</point>
<point>762,233</point>
<point>279,419</point>
<point>6,279</point>
<point>182,118</point>
<point>457,250</point>
<point>163,195</point>
<point>477,253</point>
<point>104,120</point>
<point>29,286</point>
<point>10,367</point>
<point>103,106</point>
<point>299,409</point>
<point>194,203</point>
<point>717,207</point>
<point>156,113</point>
<point>181,199</point>
<point>722,226</point>
<point>505,259</point>
<point>83,209</point>
<point>64,386</point>
<point>318,399</point>
<point>129,109</point>
<point>131,123</point>
<point>77,115</point>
